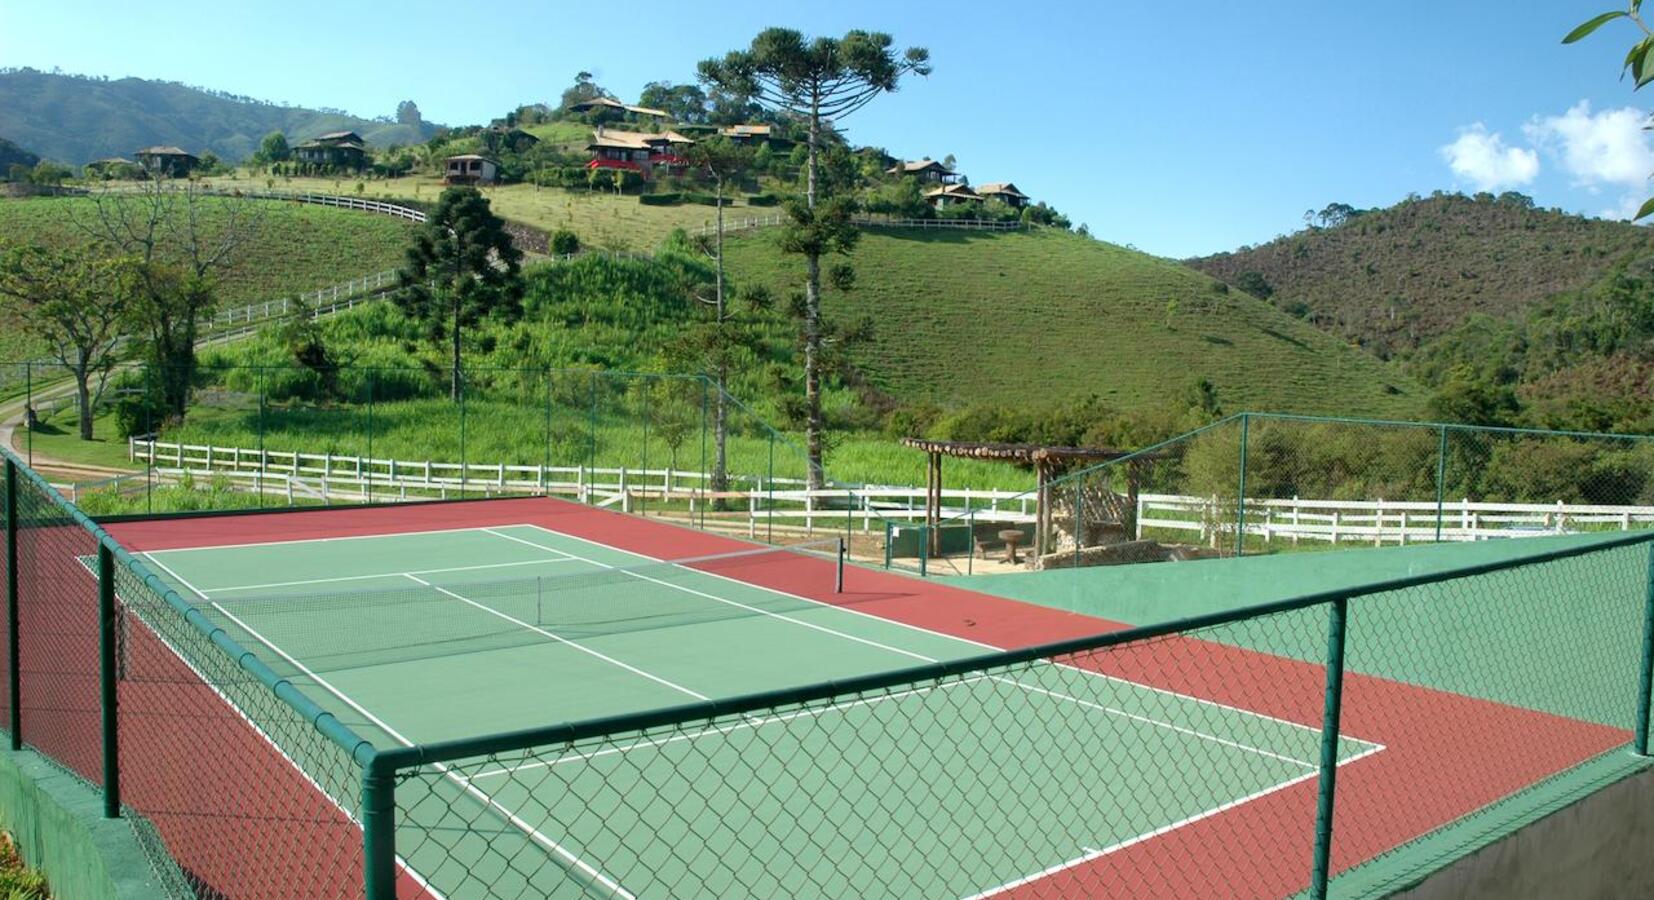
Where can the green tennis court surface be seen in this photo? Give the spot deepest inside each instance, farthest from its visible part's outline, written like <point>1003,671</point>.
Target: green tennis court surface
<point>430,636</point>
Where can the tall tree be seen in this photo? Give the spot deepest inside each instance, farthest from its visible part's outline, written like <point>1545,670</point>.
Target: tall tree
<point>723,162</point>
<point>821,81</point>
<point>461,268</point>
<point>181,240</point>
<point>1639,61</point>
<point>273,149</point>
<point>683,102</point>
<point>76,301</point>
<point>407,113</point>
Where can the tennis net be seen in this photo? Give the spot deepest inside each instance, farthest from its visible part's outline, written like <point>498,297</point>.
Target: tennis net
<point>328,629</point>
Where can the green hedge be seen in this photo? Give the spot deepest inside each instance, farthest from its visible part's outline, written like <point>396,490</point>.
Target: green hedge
<point>671,198</point>
<point>763,200</point>
<point>706,199</point>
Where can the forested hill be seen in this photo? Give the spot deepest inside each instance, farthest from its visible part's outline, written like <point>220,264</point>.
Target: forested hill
<point>75,120</point>
<point>1393,279</point>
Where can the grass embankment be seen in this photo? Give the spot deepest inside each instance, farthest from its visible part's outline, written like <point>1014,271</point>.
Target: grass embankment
<point>1033,318</point>
<point>295,248</point>
<point>601,219</point>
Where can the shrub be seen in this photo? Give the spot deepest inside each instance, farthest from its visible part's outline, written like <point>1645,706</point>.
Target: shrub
<point>763,200</point>
<point>705,199</point>
<point>667,199</point>
<point>565,242</point>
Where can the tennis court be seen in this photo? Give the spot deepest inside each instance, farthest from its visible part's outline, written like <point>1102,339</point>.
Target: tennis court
<point>427,636</point>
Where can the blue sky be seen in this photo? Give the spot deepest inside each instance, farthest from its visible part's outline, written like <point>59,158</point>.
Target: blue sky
<point>1179,129</point>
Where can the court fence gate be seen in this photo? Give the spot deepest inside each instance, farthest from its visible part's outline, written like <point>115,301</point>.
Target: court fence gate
<point>251,788</point>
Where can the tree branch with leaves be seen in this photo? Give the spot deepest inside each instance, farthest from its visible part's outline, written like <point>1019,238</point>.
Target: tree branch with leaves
<point>1639,60</point>
<point>820,81</point>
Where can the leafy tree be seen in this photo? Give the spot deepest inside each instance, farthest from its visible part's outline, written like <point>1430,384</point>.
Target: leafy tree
<point>1253,282</point>
<point>683,102</point>
<point>181,239</point>
<point>306,342</point>
<point>49,173</point>
<point>564,242</point>
<point>583,89</point>
<point>461,268</point>
<point>820,81</point>
<point>407,113</point>
<point>273,149</point>
<point>75,301</point>
<point>1637,61</point>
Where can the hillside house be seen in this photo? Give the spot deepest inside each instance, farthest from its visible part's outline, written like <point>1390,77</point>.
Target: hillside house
<point>1005,192</point>
<point>469,168</point>
<point>944,196</point>
<point>746,134</point>
<point>340,149</point>
<point>167,161</point>
<point>609,104</point>
<point>645,153</point>
<point>928,171</point>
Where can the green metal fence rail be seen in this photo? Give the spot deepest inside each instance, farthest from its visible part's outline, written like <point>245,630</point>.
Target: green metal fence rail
<point>247,781</point>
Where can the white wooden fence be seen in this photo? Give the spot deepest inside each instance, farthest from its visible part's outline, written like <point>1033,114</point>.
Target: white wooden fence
<point>747,223</point>
<point>328,476</point>
<point>1378,522</point>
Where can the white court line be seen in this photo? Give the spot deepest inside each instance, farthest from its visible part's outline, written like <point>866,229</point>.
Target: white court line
<point>320,540</point>
<point>749,722</point>
<point>277,584</point>
<point>909,653</point>
<point>724,600</point>
<point>349,813</point>
<point>937,634</point>
<point>1164,829</point>
<point>464,783</point>
<point>560,639</point>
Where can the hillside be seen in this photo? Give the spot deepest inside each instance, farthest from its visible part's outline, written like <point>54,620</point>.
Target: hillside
<point>1044,317</point>
<point>13,155</point>
<point>298,248</point>
<point>76,120</point>
<point>1393,279</point>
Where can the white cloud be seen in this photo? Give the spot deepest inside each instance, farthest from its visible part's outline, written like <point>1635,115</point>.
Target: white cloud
<point>1629,204</point>
<point>1605,148</point>
<point>1483,159</point>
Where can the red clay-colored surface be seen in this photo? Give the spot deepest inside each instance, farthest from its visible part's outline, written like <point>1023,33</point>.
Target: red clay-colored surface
<point>1447,755</point>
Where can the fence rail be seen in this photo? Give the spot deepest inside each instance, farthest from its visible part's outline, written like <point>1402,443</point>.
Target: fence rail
<point>748,223</point>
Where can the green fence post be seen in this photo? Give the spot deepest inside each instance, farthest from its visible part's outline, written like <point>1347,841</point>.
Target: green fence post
<point>1644,687</point>
<point>464,471</point>
<point>924,550</point>
<point>367,475</point>
<point>970,542</point>
<point>13,641</point>
<point>887,545</point>
<point>706,476</point>
<point>1079,520</point>
<point>28,411</point>
<point>769,498</point>
<point>545,477</point>
<point>648,407</point>
<point>262,459</point>
<point>1441,482</point>
<point>1240,511</point>
<point>378,831</point>
<point>106,682</point>
<point>149,431</point>
<point>591,462</point>
<point>1328,778</point>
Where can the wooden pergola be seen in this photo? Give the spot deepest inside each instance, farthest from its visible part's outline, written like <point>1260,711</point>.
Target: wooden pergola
<point>1049,463</point>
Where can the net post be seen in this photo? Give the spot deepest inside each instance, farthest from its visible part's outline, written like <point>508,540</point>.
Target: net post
<point>1240,508</point>
<point>1441,482</point>
<point>1328,777</point>
<point>106,682</point>
<point>924,550</point>
<point>1645,684</point>
<point>838,574</point>
<point>378,830</point>
<point>13,640</point>
<point>887,547</point>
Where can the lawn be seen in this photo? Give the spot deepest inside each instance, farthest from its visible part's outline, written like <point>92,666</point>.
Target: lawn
<point>296,248</point>
<point>1021,318</point>
<point>603,220</point>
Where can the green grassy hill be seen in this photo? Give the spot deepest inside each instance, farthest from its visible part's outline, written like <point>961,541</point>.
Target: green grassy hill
<point>75,119</point>
<point>1036,318</point>
<point>298,248</point>
<point>1393,279</point>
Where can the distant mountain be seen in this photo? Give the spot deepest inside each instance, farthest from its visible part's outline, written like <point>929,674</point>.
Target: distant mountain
<point>1393,279</point>
<point>75,119</point>
<point>11,154</point>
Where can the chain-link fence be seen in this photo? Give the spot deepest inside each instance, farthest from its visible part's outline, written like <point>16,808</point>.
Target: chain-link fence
<point>250,788</point>
<point>1264,751</point>
<point>1262,484</point>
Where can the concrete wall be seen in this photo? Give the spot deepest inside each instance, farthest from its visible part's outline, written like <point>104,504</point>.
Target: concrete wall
<point>1600,847</point>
